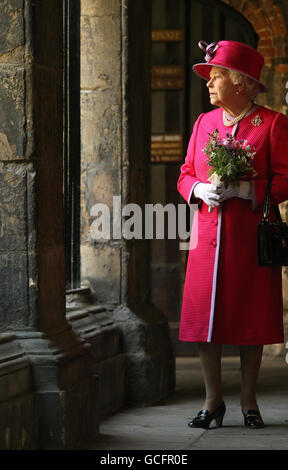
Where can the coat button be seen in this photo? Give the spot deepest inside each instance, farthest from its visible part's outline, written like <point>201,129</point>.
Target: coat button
<point>215,222</point>
<point>213,243</point>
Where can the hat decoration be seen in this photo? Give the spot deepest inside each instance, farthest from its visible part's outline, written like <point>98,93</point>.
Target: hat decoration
<point>209,49</point>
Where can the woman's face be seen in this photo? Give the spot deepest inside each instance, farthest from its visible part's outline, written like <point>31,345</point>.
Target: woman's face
<point>221,89</point>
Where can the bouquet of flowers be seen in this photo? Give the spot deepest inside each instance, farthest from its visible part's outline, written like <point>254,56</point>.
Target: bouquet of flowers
<point>230,160</point>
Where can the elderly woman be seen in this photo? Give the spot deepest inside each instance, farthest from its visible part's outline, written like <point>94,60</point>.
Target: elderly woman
<point>228,298</point>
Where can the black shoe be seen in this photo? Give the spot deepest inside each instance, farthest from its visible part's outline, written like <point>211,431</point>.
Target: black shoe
<point>253,419</point>
<point>204,418</point>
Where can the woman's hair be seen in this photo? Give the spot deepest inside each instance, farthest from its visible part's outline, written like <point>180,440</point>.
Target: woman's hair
<point>252,87</point>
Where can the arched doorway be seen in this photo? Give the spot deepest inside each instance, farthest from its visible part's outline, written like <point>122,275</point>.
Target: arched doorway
<point>178,96</point>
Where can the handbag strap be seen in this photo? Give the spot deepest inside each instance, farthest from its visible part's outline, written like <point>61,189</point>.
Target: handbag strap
<point>268,198</point>
<point>267,204</point>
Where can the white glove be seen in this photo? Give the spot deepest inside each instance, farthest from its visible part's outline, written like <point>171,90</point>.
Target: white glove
<point>242,190</point>
<point>209,193</point>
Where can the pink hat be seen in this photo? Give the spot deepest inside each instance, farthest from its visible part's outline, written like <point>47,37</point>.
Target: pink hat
<point>231,55</point>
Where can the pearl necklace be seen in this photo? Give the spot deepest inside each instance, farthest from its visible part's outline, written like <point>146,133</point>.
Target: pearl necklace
<point>226,122</point>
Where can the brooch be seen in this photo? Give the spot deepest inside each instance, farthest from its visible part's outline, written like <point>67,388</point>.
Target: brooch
<point>256,121</point>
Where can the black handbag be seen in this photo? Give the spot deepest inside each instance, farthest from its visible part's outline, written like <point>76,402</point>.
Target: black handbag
<point>272,237</point>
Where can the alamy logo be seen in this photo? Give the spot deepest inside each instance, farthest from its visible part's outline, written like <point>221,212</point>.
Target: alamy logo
<point>130,221</point>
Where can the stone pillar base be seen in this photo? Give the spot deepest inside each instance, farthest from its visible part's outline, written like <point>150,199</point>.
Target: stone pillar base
<point>150,362</point>
<point>66,391</point>
<point>94,325</point>
<point>68,418</point>
<point>18,414</point>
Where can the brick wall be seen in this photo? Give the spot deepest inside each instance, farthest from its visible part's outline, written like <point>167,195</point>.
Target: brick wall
<point>269,20</point>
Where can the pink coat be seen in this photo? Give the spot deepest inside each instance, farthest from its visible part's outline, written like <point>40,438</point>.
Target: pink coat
<point>227,297</point>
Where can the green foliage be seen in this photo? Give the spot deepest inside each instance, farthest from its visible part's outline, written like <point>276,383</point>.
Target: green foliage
<point>230,159</point>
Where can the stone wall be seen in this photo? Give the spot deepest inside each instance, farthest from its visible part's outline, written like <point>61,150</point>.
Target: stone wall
<point>63,368</point>
<point>17,240</point>
<point>45,366</point>
<point>115,135</point>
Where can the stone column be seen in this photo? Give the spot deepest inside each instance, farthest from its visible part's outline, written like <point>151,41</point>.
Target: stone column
<point>18,416</point>
<point>115,113</point>
<point>48,363</point>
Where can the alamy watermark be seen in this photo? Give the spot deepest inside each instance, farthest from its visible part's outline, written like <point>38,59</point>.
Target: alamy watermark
<point>161,222</point>
<point>155,222</point>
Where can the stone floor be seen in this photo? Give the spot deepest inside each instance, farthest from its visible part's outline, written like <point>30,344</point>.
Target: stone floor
<point>164,426</point>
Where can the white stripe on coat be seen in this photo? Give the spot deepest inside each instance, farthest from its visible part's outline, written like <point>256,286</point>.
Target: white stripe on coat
<point>214,283</point>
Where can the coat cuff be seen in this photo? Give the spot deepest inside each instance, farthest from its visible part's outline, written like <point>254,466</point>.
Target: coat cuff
<point>191,198</point>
